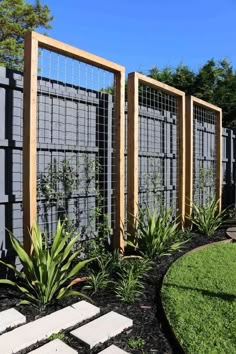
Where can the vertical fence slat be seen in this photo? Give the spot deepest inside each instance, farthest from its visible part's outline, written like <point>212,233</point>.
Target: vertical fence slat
<point>228,161</point>
<point>232,199</point>
<point>233,168</point>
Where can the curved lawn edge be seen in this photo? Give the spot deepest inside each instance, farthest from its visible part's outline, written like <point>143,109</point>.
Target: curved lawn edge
<point>172,335</point>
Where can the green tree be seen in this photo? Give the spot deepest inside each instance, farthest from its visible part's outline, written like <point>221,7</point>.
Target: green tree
<point>225,94</point>
<point>184,79</point>
<point>16,18</point>
<point>166,75</point>
<point>206,81</point>
<point>214,82</point>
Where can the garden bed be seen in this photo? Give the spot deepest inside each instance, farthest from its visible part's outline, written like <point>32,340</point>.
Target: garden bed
<point>149,321</point>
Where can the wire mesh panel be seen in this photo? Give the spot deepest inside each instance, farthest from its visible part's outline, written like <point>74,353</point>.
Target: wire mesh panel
<point>156,136</point>
<point>204,152</point>
<point>203,157</point>
<point>77,165</point>
<point>158,149</point>
<point>75,168</point>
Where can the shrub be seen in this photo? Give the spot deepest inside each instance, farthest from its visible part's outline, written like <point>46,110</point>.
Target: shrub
<point>141,266</point>
<point>208,218</point>
<point>49,274</point>
<point>97,281</point>
<point>136,343</point>
<point>129,286</point>
<point>157,234</point>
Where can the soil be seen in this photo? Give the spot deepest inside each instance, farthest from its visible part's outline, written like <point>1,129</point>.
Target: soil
<point>147,314</point>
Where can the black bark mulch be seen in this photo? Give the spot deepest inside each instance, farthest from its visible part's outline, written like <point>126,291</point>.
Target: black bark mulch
<point>149,320</point>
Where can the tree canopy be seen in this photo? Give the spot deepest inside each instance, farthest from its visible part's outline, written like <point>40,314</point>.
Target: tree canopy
<point>16,18</point>
<point>214,82</point>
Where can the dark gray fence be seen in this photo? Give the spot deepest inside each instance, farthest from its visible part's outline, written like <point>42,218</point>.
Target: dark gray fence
<point>228,167</point>
<point>11,123</point>
<point>65,102</point>
<point>74,148</point>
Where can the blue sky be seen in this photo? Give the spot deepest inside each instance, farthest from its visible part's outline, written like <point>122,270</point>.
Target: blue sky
<point>143,33</point>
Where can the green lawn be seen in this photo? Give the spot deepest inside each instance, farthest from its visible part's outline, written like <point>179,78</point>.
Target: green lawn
<point>199,297</point>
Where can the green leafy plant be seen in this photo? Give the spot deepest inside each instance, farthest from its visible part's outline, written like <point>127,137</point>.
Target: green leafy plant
<point>59,335</point>
<point>157,234</point>
<point>207,218</point>
<point>136,343</point>
<point>98,245</point>
<point>187,232</point>
<point>56,186</point>
<point>63,179</point>
<point>153,182</point>
<point>205,186</point>
<point>103,270</point>
<point>49,274</point>
<point>97,281</point>
<point>141,266</point>
<point>115,263</point>
<point>129,286</point>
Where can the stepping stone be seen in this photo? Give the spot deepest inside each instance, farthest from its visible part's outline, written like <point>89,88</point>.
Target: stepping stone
<point>102,329</point>
<point>231,232</point>
<point>32,332</point>
<point>113,349</point>
<point>56,346</point>
<point>11,318</point>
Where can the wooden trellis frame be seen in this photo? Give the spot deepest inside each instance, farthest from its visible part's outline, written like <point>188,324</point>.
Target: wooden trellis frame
<point>134,79</point>
<point>33,42</point>
<point>190,102</point>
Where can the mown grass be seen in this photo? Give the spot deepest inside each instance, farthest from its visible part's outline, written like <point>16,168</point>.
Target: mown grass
<point>199,298</point>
